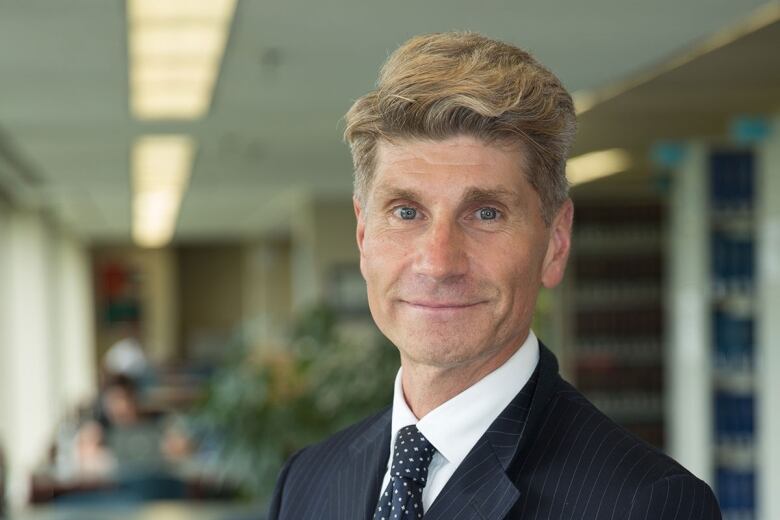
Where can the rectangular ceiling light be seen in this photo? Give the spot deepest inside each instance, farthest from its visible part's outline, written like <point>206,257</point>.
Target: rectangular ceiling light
<point>594,165</point>
<point>161,167</point>
<point>186,38</point>
<point>177,40</point>
<point>172,72</point>
<point>173,10</point>
<point>169,102</point>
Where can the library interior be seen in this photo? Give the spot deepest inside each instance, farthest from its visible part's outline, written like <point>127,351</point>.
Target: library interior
<point>181,300</point>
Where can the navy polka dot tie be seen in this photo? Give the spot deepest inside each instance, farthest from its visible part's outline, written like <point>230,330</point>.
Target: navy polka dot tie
<point>402,499</point>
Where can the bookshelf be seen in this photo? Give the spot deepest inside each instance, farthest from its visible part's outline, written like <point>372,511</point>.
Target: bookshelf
<point>722,303</point>
<point>616,311</point>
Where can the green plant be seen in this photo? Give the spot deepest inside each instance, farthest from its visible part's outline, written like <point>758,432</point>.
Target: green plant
<point>264,404</point>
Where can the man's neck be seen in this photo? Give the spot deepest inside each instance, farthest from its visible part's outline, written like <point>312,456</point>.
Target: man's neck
<point>426,387</point>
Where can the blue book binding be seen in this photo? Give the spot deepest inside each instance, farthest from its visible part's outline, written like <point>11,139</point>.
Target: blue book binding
<point>732,188</point>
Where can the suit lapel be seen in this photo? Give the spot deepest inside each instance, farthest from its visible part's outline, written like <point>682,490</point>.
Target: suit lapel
<point>357,483</point>
<point>482,486</point>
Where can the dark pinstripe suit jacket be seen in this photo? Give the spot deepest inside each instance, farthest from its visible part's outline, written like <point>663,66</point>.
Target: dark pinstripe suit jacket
<point>549,455</point>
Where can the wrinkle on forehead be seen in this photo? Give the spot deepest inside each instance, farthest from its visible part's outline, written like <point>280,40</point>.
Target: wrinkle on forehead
<point>461,150</point>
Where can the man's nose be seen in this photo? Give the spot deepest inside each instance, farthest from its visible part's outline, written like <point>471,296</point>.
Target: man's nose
<point>440,251</point>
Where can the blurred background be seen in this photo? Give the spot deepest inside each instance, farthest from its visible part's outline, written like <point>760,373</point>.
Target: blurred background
<point>180,301</point>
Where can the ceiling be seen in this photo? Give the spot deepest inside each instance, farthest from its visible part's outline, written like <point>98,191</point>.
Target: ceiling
<point>699,93</point>
<point>291,69</point>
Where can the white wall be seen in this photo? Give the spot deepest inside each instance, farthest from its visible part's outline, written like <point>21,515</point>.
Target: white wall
<point>162,332</point>
<point>768,325</point>
<point>323,236</point>
<point>306,283</point>
<point>76,341</point>
<point>29,375</point>
<point>267,295</point>
<point>688,380</point>
<point>46,344</point>
<point>5,337</point>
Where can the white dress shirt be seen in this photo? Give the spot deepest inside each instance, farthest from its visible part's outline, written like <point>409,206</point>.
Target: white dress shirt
<point>455,426</point>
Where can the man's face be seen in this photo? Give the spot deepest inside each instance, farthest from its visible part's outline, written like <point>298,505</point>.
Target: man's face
<point>454,250</point>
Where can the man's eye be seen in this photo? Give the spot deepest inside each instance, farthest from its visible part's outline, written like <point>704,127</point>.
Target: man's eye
<point>406,213</point>
<point>488,213</point>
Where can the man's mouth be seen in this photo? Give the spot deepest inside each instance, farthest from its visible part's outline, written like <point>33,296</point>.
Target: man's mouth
<point>440,305</point>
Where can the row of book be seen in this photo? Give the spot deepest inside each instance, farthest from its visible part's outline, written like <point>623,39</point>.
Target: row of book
<point>733,338</point>
<point>736,493</point>
<point>624,321</point>
<point>629,407</point>
<point>734,415</point>
<point>731,180</point>
<point>615,375</point>
<point>635,351</point>
<point>628,268</point>
<point>629,215</point>
<point>733,261</point>
<point>618,312</point>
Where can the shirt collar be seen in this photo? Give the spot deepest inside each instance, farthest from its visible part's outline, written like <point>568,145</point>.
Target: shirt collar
<point>455,426</point>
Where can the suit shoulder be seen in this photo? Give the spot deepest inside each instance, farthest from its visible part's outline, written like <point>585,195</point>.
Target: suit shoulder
<point>675,496</point>
<point>332,449</point>
<point>304,482</point>
<point>345,437</point>
<point>584,414</point>
<point>579,463</point>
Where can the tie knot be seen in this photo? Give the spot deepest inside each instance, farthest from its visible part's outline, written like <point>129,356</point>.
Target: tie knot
<point>412,455</point>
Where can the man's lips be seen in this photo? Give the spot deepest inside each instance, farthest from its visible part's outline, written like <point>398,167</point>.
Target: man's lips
<point>437,305</point>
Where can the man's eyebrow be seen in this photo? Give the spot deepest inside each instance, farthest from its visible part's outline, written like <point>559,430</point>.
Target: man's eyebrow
<point>488,195</point>
<point>472,195</point>
<point>390,193</point>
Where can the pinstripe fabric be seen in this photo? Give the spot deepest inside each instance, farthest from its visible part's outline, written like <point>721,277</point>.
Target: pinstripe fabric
<point>549,455</point>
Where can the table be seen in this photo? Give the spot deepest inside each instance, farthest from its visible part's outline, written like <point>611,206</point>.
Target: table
<point>180,510</point>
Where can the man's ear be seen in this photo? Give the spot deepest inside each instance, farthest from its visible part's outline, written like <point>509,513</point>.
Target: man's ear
<point>360,228</point>
<point>558,245</point>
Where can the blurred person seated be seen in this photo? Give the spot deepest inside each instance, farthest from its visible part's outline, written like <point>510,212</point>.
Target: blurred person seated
<point>136,453</point>
<point>133,438</point>
<point>94,462</point>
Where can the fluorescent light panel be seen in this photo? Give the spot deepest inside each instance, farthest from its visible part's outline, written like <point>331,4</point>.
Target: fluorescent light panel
<point>173,10</point>
<point>171,103</point>
<point>595,165</point>
<point>175,51</point>
<point>177,40</point>
<point>171,72</point>
<point>161,172</point>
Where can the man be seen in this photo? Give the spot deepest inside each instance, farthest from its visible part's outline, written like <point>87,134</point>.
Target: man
<point>462,215</point>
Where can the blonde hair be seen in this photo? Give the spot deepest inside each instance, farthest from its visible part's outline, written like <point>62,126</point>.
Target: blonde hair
<point>446,84</point>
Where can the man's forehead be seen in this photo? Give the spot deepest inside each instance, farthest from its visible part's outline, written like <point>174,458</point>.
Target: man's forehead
<point>460,150</point>
<point>472,170</point>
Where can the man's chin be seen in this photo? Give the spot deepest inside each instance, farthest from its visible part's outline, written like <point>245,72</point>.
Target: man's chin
<point>443,355</point>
